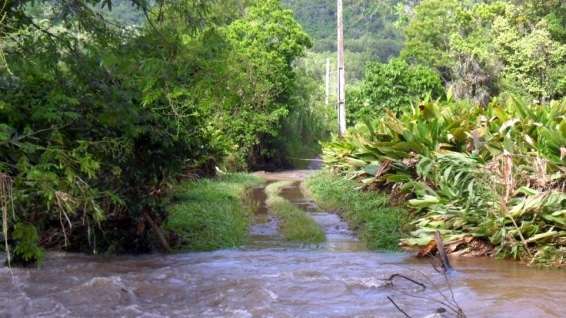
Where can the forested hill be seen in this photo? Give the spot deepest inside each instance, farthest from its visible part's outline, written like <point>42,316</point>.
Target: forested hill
<point>369,29</point>
<point>367,24</point>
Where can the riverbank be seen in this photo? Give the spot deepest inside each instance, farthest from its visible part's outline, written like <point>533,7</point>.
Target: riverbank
<point>211,214</point>
<point>370,214</point>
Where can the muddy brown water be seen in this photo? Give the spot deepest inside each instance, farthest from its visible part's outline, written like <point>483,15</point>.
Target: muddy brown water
<point>272,278</point>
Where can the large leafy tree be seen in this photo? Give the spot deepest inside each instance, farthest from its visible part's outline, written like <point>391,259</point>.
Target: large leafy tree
<point>428,33</point>
<point>484,47</point>
<point>393,87</point>
<point>534,60</point>
<point>95,122</point>
<point>267,40</point>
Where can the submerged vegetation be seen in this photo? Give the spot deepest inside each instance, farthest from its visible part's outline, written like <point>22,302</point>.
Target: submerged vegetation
<point>294,223</point>
<point>378,224</point>
<point>211,214</point>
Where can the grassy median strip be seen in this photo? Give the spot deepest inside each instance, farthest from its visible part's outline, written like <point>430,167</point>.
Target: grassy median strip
<point>294,223</point>
<point>211,214</point>
<point>370,213</point>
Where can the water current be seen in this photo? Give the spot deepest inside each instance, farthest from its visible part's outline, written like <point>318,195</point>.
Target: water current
<point>272,278</point>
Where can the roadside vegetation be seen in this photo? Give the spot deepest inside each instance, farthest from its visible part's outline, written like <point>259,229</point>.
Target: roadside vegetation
<point>490,178</point>
<point>480,158</point>
<point>211,214</point>
<point>294,223</point>
<point>379,224</point>
<point>102,110</point>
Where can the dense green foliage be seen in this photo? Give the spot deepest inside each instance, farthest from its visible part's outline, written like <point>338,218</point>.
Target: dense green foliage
<point>379,225</point>
<point>369,25</point>
<point>495,174</point>
<point>269,41</point>
<point>390,87</point>
<point>211,214</point>
<point>471,159</point>
<point>294,224</point>
<point>306,125</point>
<point>479,49</point>
<point>98,118</point>
<point>484,47</point>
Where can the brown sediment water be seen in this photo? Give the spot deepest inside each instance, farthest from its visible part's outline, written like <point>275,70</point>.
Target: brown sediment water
<point>264,231</point>
<point>271,278</point>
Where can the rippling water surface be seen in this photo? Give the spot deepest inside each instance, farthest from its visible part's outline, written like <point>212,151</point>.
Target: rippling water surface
<point>270,278</point>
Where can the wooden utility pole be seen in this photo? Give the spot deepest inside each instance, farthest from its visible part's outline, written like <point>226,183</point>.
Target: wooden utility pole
<point>341,71</point>
<point>327,82</point>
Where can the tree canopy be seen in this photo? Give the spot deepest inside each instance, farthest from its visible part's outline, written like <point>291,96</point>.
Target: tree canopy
<point>99,114</point>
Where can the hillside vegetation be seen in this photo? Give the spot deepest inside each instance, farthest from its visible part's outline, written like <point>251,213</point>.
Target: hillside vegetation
<point>369,32</point>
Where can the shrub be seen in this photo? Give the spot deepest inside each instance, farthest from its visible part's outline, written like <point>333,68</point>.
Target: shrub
<point>27,250</point>
<point>391,87</point>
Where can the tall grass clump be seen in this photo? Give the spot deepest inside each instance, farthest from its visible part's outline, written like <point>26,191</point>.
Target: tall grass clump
<point>379,224</point>
<point>294,223</point>
<point>490,179</point>
<point>211,214</point>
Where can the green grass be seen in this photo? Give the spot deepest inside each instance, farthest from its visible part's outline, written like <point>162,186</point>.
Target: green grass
<point>370,213</point>
<point>211,213</point>
<point>294,224</point>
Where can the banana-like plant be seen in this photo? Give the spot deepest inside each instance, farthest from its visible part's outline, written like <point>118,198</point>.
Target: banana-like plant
<point>493,174</point>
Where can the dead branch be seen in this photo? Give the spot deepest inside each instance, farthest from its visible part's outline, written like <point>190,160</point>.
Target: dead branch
<point>6,200</point>
<point>398,308</point>
<point>158,232</point>
<point>442,252</point>
<point>390,280</point>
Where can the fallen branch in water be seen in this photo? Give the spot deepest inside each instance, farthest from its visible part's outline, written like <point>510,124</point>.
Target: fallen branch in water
<point>390,280</point>
<point>442,252</point>
<point>163,242</point>
<point>448,301</point>
<point>398,308</point>
<point>6,201</point>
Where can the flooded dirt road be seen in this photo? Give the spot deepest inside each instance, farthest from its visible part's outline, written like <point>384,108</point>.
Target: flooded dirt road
<point>271,278</point>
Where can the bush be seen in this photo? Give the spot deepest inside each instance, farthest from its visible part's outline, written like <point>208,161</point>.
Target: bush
<point>26,251</point>
<point>96,121</point>
<point>392,87</point>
